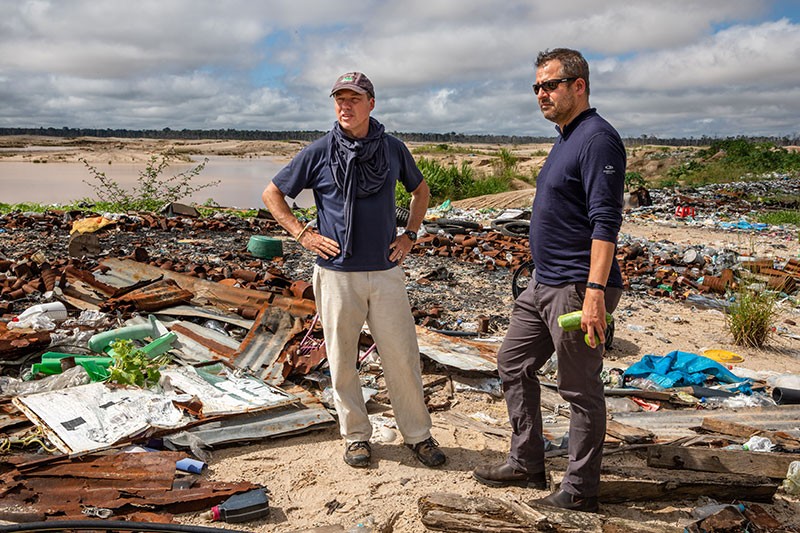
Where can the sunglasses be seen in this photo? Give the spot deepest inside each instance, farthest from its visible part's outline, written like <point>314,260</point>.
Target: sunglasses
<point>550,85</point>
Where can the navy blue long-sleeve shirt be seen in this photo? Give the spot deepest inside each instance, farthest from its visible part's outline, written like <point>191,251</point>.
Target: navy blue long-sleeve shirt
<point>578,198</point>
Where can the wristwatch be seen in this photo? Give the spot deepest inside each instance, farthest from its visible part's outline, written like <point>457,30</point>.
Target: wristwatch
<point>410,234</point>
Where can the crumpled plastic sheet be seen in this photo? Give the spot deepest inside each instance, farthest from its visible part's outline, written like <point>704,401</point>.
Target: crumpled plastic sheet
<point>71,377</point>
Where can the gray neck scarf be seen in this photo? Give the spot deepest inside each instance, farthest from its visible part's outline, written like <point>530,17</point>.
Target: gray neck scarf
<point>359,167</point>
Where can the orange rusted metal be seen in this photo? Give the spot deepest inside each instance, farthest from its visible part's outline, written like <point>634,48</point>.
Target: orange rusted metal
<point>157,295</point>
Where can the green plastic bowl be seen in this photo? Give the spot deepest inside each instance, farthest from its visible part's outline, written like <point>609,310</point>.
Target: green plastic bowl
<point>265,247</point>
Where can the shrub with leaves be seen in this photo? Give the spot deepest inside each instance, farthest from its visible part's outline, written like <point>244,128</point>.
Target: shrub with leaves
<point>152,190</point>
<point>634,180</point>
<point>750,317</point>
<point>134,367</point>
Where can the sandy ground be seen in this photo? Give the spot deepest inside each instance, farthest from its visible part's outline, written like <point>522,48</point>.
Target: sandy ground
<point>309,484</point>
<point>305,474</point>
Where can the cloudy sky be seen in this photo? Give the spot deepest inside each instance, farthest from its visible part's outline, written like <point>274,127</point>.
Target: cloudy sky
<point>669,68</point>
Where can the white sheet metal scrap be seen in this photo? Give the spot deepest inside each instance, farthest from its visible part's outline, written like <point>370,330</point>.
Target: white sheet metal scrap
<point>252,426</point>
<point>458,353</point>
<point>95,416</point>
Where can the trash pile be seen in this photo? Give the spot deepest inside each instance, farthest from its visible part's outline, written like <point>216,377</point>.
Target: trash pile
<point>136,345</point>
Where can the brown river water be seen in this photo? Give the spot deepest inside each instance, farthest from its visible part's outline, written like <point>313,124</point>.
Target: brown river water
<point>241,181</point>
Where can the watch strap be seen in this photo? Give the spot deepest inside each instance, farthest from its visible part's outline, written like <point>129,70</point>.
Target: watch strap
<point>410,234</point>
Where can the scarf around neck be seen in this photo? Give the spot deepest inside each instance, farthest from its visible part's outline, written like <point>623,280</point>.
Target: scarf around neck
<point>359,167</point>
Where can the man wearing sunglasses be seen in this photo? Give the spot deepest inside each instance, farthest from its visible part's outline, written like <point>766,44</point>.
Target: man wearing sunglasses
<point>577,214</point>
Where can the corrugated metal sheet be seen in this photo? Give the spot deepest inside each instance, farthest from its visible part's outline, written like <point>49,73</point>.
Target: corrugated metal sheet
<point>260,351</point>
<point>122,273</point>
<point>120,482</point>
<point>669,425</point>
<point>256,426</point>
<point>152,297</point>
<point>457,352</point>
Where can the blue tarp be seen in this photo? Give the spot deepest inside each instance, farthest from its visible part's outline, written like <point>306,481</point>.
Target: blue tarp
<point>683,369</point>
<point>743,224</point>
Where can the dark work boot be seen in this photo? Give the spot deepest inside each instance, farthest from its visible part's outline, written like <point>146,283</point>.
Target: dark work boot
<point>358,454</point>
<point>505,475</point>
<point>571,502</point>
<point>428,452</point>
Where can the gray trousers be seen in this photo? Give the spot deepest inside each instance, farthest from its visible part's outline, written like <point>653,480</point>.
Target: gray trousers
<point>532,337</point>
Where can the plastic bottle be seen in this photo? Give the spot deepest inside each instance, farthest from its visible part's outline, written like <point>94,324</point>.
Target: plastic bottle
<point>244,507</point>
<point>791,485</point>
<point>707,510</point>
<point>758,444</point>
<point>52,310</point>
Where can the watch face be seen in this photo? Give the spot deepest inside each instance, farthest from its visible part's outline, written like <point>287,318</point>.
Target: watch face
<point>411,235</point>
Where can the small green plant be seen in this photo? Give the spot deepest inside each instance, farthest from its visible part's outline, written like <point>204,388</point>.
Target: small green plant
<point>633,181</point>
<point>750,317</point>
<point>508,162</point>
<point>134,367</point>
<point>153,191</point>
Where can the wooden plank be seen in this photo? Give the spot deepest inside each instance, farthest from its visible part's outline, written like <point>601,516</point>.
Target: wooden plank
<point>628,434</point>
<point>624,484</point>
<point>745,431</point>
<point>770,464</point>
<point>552,401</point>
<point>454,512</point>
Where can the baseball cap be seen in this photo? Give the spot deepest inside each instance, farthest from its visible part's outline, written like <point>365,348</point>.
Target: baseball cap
<point>355,81</point>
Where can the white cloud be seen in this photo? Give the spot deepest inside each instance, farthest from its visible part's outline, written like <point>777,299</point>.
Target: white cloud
<point>438,65</point>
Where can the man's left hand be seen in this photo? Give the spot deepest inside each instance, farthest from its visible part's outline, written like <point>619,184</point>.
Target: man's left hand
<point>593,319</point>
<point>400,248</point>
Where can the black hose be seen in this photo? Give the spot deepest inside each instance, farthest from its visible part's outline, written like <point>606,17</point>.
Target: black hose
<point>784,396</point>
<point>112,525</point>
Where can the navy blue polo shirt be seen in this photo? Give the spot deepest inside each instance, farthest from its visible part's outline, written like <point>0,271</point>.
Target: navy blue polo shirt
<point>374,216</point>
<point>578,198</point>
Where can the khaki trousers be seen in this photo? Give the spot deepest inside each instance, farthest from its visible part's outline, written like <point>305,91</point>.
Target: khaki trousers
<point>345,300</point>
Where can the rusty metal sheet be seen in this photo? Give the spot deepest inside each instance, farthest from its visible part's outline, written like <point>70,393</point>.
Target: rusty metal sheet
<point>135,472</point>
<point>123,272</point>
<point>185,347</point>
<point>457,352</point>
<point>120,481</point>
<point>260,351</point>
<point>16,343</point>
<point>211,313</point>
<point>154,296</point>
<point>216,344</point>
<point>74,275</point>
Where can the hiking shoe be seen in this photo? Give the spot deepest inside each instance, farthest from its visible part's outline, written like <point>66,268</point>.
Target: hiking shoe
<point>428,452</point>
<point>505,475</point>
<point>358,454</point>
<point>570,502</point>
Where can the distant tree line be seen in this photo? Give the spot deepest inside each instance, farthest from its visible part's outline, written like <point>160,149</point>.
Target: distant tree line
<point>310,135</point>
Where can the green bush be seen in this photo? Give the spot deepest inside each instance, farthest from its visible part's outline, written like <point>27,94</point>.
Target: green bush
<point>728,160</point>
<point>153,191</point>
<point>750,317</point>
<point>633,181</point>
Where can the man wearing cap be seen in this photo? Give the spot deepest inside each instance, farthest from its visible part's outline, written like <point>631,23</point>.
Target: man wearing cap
<point>352,172</point>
